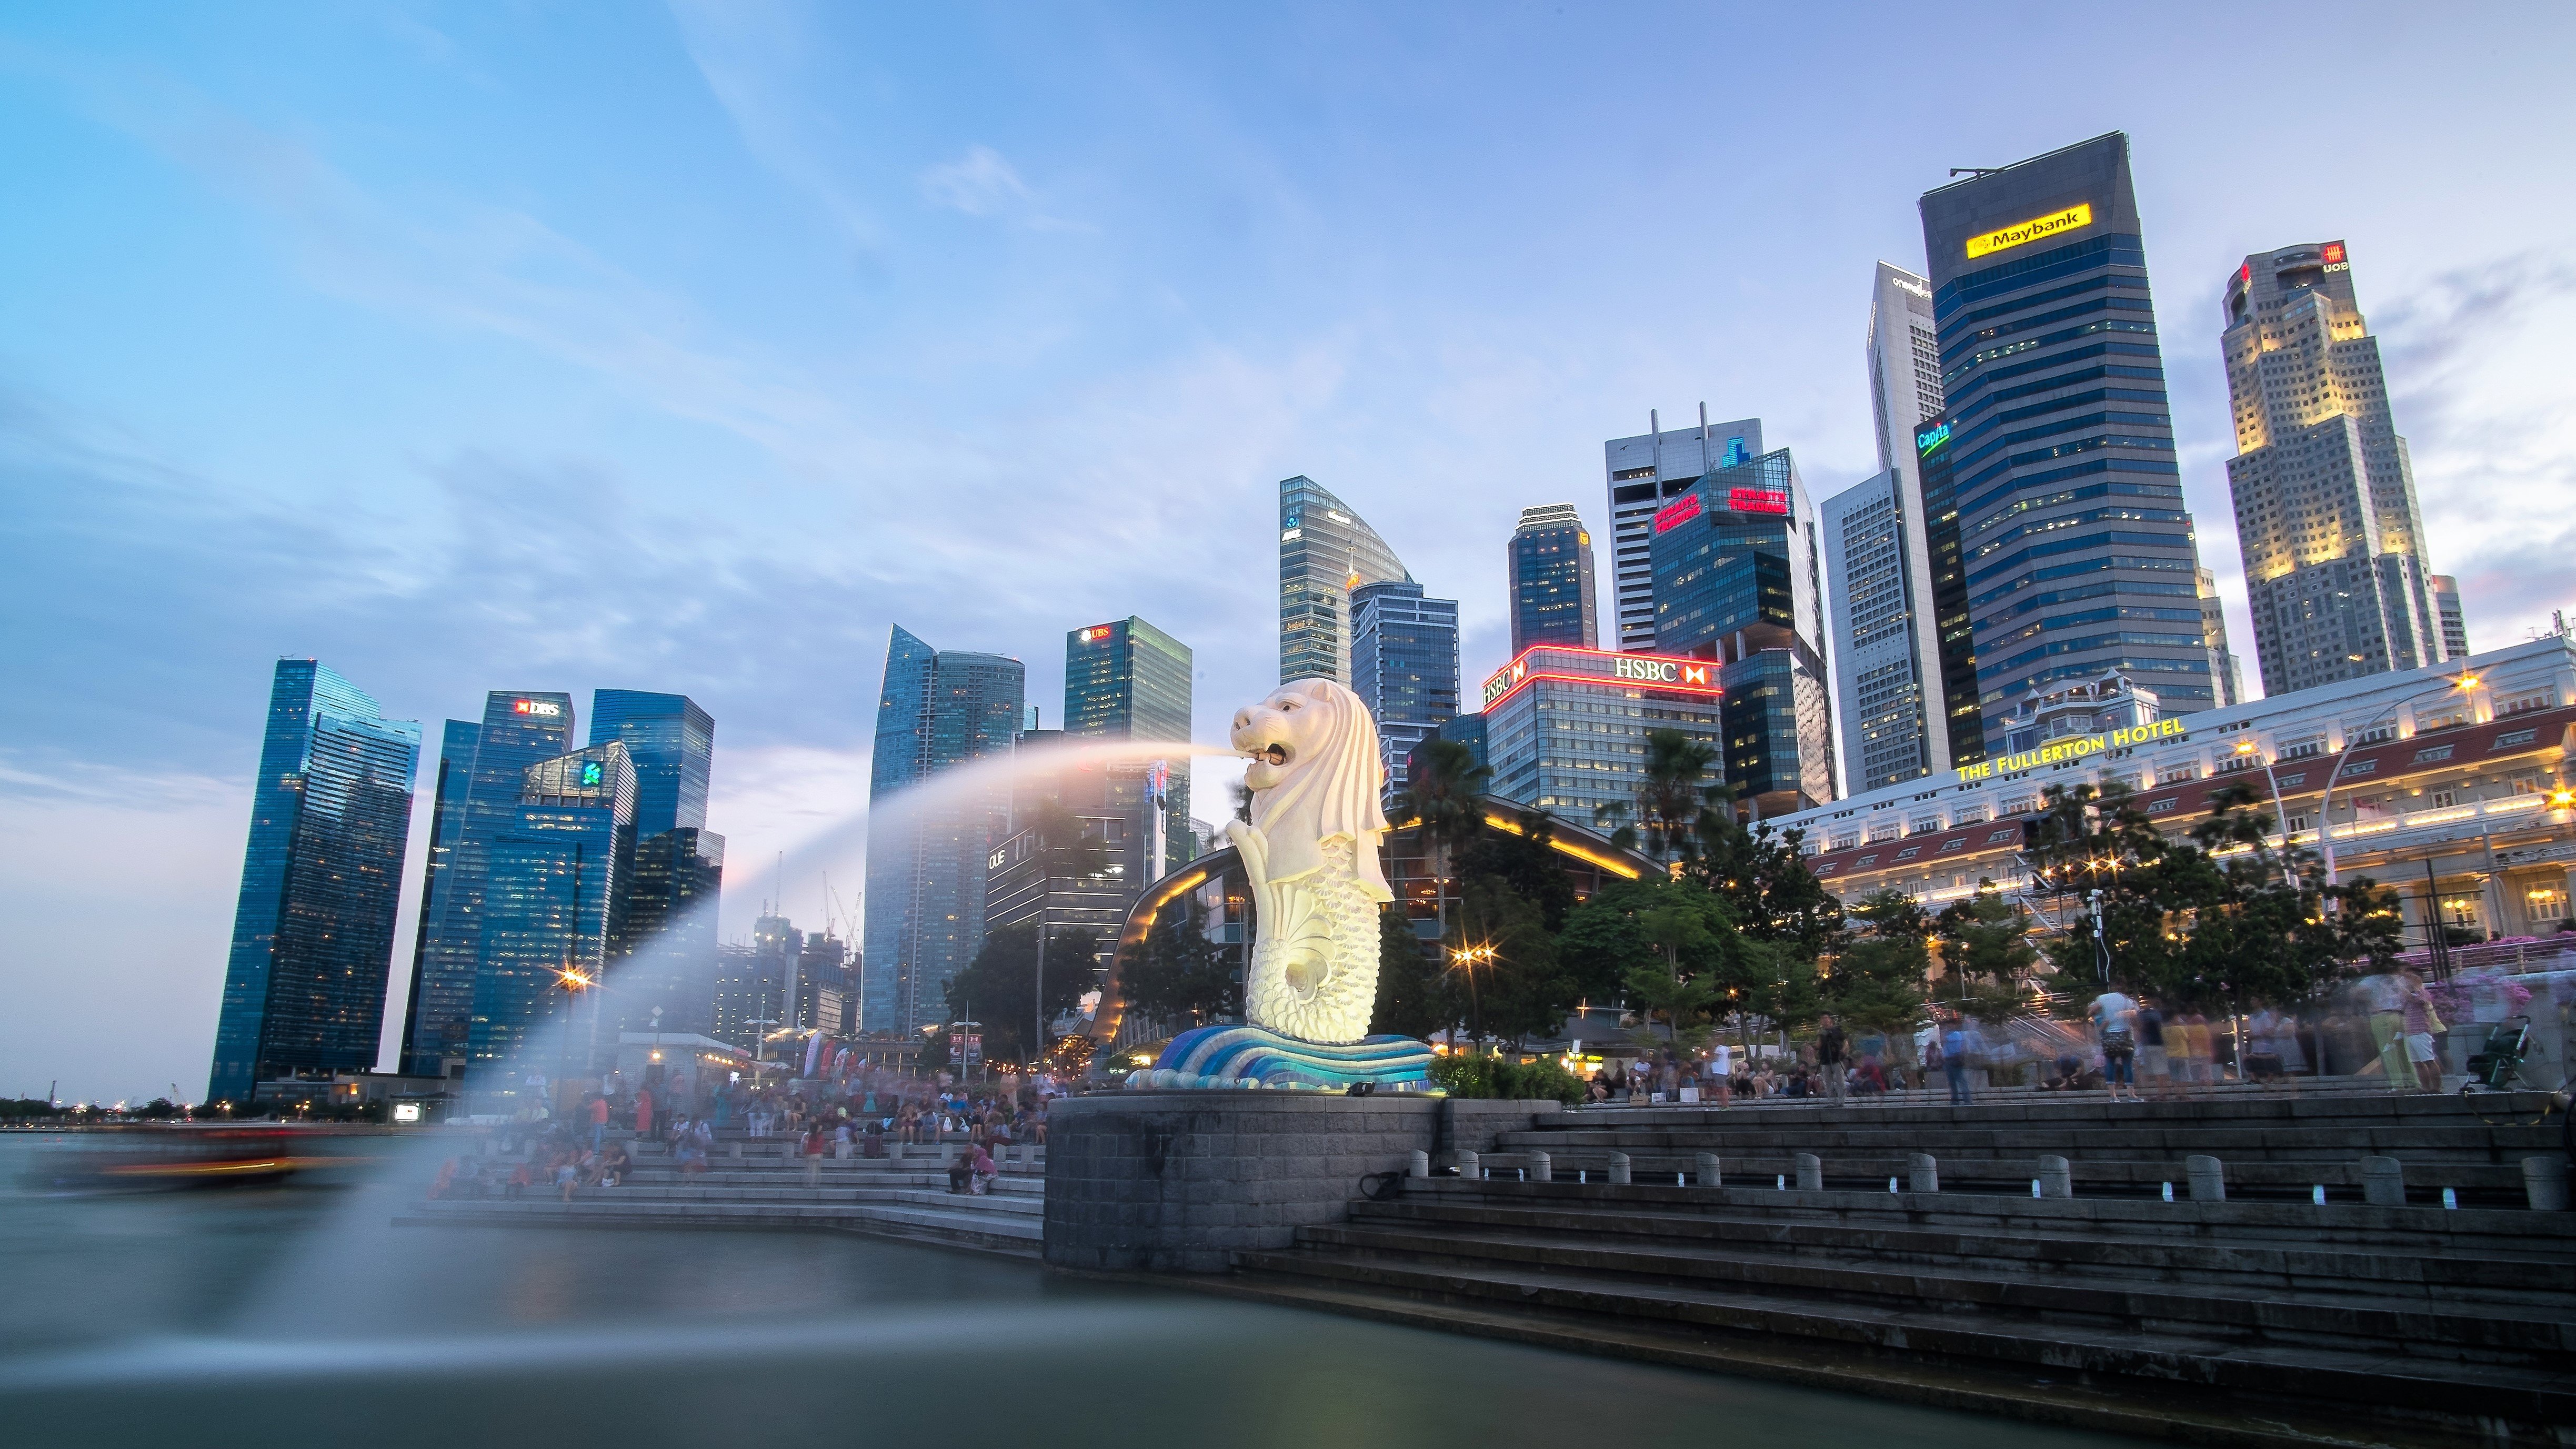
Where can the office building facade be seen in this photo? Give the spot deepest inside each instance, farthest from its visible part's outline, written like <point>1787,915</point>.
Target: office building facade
<point>2446,609</point>
<point>1549,563</point>
<point>1886,671</point>
<point>2225,667</point>
<point>940,710</point>
<point>482,772</point>
<point>1404,667</point>
<point>671,742</point>
<point>556,878</point>
<point>2079,556</point>
<point>1565,729</point>
<point>1325,552</point>
<point>1646,472</point>
<point>2336,572</point>
<point>665,952</point>
<point>313,929</point>
<point>1128,680</point>
<point>1737,580</point>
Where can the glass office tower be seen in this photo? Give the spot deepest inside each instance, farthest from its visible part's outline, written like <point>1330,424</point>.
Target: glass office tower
<point>1128,680</point>
<point>1325,551</point>
<point>671,742</point>
<point>554,896</point>
<point>1404,667</point>
<point>1736,580</point>
<point>1954,641</point>
<point>1645,473</point>
<point>927,843</point>
<point>482,770</point>
<point>2080,558</point>
<point>1550,559</point>
<point>664,954</point>
<point>313,932</point>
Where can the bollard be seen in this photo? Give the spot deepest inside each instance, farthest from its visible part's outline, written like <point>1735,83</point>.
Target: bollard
<point>1542,1168</point>
<point>894,1152</point>
<point>1468,1167</point>
<point>813,1172</point>
<point>1811,1173</point>
<point>840,1152</point>
<point>2056,1179</point>
<point>947,1153</point>
<point>2544,1182</point>
<point>1421,1164</point>
<point>2208,1179</point>
<point>1618,1168</point>
<point>2383,1182</point>
<point>1708,1175</point>
<point>737,1149</point>
<point>1923,1173</point>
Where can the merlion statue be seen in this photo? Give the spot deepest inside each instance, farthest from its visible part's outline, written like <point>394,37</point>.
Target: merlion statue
<point>1311,853</point>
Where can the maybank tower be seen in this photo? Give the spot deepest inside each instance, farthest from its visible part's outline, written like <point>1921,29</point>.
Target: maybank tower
<point>2075,555</point>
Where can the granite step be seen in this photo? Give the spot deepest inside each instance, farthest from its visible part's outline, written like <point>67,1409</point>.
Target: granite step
<point>1019,1234</point>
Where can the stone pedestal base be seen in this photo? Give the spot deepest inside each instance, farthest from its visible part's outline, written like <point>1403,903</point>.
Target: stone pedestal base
<point>1173,1182</point>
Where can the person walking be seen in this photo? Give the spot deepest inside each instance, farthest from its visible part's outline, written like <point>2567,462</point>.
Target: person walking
<point>1830,1050</point>
<point>598,1120</point>
<point>1956,1048</point>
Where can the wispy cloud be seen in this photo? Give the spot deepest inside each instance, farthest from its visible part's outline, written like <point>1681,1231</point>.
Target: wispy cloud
<point>982,183</point>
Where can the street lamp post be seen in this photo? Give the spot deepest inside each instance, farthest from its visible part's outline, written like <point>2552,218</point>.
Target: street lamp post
<point>2281,811</point>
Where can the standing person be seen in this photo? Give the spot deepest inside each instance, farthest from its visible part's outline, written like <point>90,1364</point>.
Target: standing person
<point>1830,1049</point>
<point>1956,1048</point>
<point>2383,995</point>
<point>643,1113</point>
<point>1721,1069</point>
<point>2200,1048</point>
<point>598,1120</point>
<point>2114,1018</point>
<point>2421,1023</point>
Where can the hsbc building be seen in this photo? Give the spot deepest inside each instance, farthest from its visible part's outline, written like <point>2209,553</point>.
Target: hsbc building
<point>1565,728</point>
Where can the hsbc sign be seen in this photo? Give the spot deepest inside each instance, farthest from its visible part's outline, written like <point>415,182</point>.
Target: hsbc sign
<point>1594,666</point>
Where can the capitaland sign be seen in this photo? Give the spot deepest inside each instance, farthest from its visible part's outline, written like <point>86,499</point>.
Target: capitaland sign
<point>1929,441</point>
<point>1596,666</point>
<point>2076,747</point>
<point>2038,228</point>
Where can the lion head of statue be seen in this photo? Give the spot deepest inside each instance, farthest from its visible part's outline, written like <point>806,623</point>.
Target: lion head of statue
<point>1315,774</point>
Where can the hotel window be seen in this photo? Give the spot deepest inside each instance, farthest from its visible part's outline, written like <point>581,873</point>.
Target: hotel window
<point>2178,774</point>
<point>2438,752</point>
<point>2545,903</point>
<point>2441,799</point>
<point>2511,738</point>
<point>1909,852</point>
<point>2525,703</point>
<point>2371,736</point>
<point>2302,749</point>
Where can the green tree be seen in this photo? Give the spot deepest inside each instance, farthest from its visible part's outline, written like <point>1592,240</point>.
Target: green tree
<point>1673,798</point>
<point>1521,988</point>
<point>1526,861</point>
<point>1181,974</point>
<point>1878,979</point>
<point>1443,799</point>
<point>1000,985</point>
<point>1762,874</point>
<point>1413,996</point>
<point>1985,955</point>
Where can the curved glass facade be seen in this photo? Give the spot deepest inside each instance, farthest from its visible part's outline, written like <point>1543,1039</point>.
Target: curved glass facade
<point>1325,551</point>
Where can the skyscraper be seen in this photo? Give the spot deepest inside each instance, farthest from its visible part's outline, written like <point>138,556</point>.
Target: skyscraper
<point>1550,559</point>
<point>1131,681</point>
<point>1886,671</point>
<point>482,772</point>
<point>1736,580</point>
<point>671,742</point>
<point>1904,357</point>
<point>556,879</point>
<point>2079,556</point>
<point>2224,666</point>
<point>1325,551</point>
<point>1954,644</point>
<point>664,954</point>
<point>1645,471</point>
<point>1404,667</point>
<point>313,932</point>
<point>2335,564</point>
<point>927,844</point>
<point>2446,606</point>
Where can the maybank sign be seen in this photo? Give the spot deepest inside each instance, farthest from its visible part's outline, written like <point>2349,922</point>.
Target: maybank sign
<point>2076,747</point>
<point>2038,228</point>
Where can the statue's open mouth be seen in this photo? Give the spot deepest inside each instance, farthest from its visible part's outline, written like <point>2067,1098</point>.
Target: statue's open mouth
<point>1274,753</point>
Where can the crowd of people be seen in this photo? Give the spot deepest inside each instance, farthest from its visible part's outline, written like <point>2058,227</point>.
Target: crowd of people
<point>857,1113</point>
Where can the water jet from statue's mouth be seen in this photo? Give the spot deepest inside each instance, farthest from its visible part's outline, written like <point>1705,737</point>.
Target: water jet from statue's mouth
<point>1274,754</point>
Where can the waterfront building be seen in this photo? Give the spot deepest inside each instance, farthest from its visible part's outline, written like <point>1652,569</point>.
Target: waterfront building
<point>1325,552</point>
<point>2079,556</point>
<point>1737,581</point>
<point>1565,729</point>
<point>482,771</point>
<point>665,952</point>
<point>940,710</point>
<point>1549,563</point>
<point>1110,802</point>
<point>671,742</point>
<point>313,929</point>
<point>2446,608</point>
<point>1128,680</point>
<point>2335,563</point>
<point>2448,795</point>
<point>1404,667</point>
<point>555,885</point>
<point>1886,668</point>
<point>1645,472</point>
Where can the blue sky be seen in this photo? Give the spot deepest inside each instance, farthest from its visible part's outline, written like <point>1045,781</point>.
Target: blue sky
<point>486,345</point>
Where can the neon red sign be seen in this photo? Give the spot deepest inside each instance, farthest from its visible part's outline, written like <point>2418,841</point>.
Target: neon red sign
<point>2334,251</point>
<point>1757,500</point>
<point>1675,515</point>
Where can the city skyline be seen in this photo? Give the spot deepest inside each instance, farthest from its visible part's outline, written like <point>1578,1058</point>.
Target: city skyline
<point>456,347</point>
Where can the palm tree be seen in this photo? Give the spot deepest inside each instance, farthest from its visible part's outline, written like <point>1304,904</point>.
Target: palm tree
<point>1443,800</point>
<point>1670,800</point>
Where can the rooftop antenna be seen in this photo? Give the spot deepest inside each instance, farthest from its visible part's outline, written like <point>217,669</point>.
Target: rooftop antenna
<point>1974,170</point>
<point>1704,464</point>
<point>1655,438</point>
